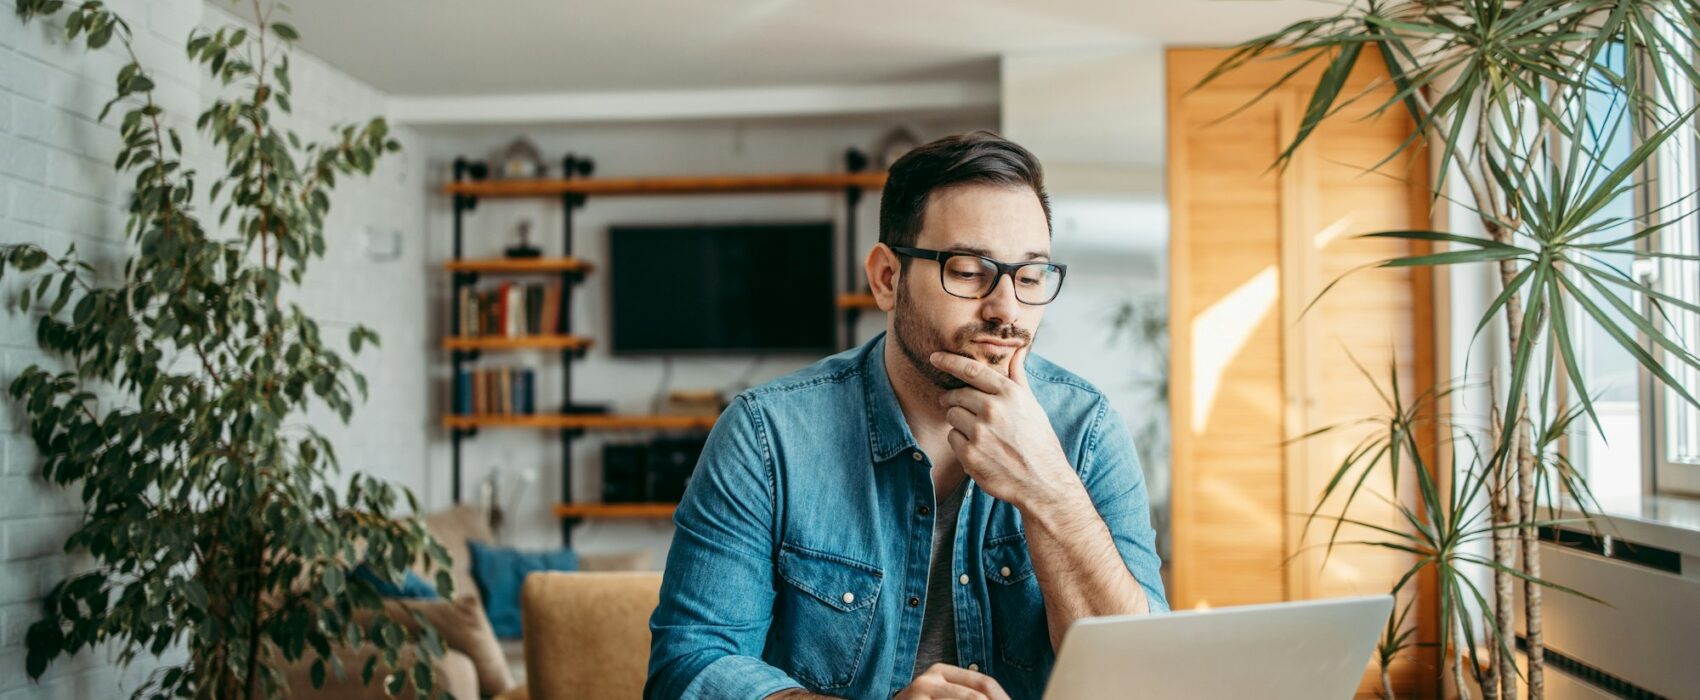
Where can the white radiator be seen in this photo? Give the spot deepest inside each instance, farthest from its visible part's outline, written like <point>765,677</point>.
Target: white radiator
<point>1645,641</point>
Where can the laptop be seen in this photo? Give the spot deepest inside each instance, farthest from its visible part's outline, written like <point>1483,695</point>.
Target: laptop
<point>1304,650</point>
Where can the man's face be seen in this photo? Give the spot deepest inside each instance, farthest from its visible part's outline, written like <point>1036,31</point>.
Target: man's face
<point>1006,224</point>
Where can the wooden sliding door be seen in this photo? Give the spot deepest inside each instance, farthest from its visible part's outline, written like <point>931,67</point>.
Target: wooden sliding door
<point>1251,246</point>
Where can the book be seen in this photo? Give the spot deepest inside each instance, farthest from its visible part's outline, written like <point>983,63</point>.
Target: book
<point>506,395</point>
<point>533,309</point>
<point>529,403</point>
<point>551,311</point>
<point>513,310</point>
<point>479,405</point>
<point>463,299</point>
<point>463,393</point>
<point>490,313</point>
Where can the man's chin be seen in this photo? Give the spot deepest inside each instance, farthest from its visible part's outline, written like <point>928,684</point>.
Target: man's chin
<point>985,356</point>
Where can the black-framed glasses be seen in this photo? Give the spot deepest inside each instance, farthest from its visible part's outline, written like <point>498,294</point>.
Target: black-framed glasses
<point>971,276</point>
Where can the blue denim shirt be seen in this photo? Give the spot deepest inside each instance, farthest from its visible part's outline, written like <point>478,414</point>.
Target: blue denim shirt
<point>802,544</point>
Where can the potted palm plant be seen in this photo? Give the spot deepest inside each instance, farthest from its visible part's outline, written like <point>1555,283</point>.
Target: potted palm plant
<point>1517,99</point>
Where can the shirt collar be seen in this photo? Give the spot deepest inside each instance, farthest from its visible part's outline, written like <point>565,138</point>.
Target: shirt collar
<point>888,430</point>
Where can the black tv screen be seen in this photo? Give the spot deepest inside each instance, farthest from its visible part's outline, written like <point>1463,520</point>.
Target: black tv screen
<point>764,288</point>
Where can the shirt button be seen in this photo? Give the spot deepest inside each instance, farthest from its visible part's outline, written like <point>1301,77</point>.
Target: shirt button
<point>923,510</point>
<point>914,601</point>
<point>916,455</point>
<point>849,598</point>
<point>963,579</point>
<point>1004,571</point>
<point>973,667</point>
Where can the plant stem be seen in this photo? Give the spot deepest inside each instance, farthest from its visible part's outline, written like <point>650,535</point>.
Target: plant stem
<point>1531,559</point>
<point>1518,507</point>
<point>1458,668</point>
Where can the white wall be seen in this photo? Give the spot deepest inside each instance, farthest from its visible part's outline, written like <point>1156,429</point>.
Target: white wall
<point>1095,117</point>
<point>57,187</point>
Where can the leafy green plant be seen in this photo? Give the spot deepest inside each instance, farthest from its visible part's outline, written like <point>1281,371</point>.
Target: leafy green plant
<point>211,520</point>
<point>1501,90</point>
<point>1445,524</point>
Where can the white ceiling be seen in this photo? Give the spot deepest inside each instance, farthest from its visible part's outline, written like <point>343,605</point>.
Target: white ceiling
<point>494,47</point>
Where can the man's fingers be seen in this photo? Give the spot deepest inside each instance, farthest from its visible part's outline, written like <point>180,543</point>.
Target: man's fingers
<point>961,419</point>
<point>969,370</point>
<point>971,679</point>
<point>937,688</point>
<point>1018,364</point>
<point>972,399</point>
<point>946,689</point>
<point>958,442</point>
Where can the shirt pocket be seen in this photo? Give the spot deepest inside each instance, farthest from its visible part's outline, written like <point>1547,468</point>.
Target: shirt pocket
<point>1019,629</point>
<point>825,613</point>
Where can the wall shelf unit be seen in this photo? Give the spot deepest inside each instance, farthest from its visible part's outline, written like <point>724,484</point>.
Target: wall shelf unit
<point>469,186</point>
<point>581,421</point>
<point>615,510</point>
<point>857,300</point>
<point>522,342</point>
<point>519,266</point>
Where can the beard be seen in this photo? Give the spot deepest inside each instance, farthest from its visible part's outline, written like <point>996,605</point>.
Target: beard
<point>917,341</point>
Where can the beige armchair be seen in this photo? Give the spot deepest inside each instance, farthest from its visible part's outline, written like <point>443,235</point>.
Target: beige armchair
<point>587,634</point>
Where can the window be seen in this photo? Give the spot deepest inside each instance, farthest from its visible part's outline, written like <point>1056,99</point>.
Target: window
<point>1646,429</point>
<point>1610,456</point>
<point>1675,423</point>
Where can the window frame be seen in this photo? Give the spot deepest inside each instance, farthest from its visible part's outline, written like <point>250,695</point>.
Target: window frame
<point>1675,171</point>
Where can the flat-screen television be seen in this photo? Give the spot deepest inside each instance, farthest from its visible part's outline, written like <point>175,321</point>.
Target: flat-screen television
<point>722,288</point>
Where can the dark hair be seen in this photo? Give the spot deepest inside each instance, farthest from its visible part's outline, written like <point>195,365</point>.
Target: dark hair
<point>975,158</point>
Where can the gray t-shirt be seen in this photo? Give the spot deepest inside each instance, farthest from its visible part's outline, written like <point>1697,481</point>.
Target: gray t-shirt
<point>938,621</point>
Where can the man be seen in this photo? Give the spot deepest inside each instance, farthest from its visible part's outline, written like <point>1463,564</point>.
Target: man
<point>923,516</point>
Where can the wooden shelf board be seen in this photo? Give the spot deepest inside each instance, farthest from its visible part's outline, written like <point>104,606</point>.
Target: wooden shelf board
<point>700,184</point>
<point>519,266</point>
<point>524,342</point>
<point>615,510</point>
<point>857,301</point>
<point>587,421</point>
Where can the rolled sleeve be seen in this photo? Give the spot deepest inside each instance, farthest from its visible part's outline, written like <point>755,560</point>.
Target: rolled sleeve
<point>709,628</point>
<point>1113,478</point>
<point>737,677</point>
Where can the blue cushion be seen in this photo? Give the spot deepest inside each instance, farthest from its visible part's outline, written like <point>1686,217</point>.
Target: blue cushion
<point>499,572</point>
<point>412,586</point>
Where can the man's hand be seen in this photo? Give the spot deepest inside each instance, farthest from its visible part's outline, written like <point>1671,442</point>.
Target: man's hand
<point>1002,435</point>
<point>942,681</point>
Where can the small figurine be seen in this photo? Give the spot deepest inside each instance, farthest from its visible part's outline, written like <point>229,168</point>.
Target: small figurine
<point>524,248</point>
<point>520,160</point>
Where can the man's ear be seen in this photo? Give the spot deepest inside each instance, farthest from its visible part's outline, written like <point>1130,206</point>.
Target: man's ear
<point>883,276</point>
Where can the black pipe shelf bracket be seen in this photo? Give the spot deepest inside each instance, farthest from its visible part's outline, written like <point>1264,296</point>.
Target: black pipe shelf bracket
<point>854,161</point>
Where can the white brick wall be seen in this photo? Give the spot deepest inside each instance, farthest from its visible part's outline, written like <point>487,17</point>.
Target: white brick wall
<point>57,187</point>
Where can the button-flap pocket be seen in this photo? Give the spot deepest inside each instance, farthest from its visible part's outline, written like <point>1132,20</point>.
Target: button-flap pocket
<point>839,582</point>
<point>1007,561</point>
<point>822,617</point>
